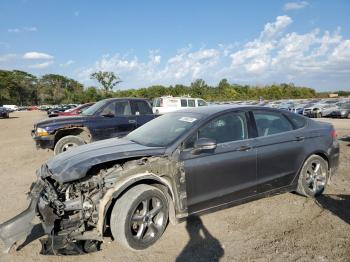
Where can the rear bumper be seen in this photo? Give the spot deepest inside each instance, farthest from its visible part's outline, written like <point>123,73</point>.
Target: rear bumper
<point>334,158</point>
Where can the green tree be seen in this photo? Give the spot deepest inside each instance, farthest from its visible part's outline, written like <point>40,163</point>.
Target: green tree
<point>108,80</point>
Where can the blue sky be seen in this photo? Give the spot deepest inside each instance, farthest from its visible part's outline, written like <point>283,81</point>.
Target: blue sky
<point>170,42</point>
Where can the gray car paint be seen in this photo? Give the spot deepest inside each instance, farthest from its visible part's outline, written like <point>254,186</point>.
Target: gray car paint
<point>215,171</point>
<point>75,164</point>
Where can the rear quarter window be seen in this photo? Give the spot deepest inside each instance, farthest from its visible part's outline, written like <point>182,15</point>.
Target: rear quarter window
<point>298,121</point>
<point>270,123</point>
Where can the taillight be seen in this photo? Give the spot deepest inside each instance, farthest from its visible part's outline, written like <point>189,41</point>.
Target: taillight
<point>333,134</point>
<point>161,102</point>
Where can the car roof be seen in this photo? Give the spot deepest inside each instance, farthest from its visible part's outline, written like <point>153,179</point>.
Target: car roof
<point>210,110</point>
<point>179,97</point>
<point>124,98</point>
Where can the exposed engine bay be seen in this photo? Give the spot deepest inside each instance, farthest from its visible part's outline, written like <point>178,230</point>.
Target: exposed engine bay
<point>70,213</point>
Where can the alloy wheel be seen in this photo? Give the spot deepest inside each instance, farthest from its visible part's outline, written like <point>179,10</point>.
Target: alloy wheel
<point>316,176</point>
<point>148,219</point>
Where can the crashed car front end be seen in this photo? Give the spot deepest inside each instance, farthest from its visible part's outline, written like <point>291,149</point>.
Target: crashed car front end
<point>68,213</point>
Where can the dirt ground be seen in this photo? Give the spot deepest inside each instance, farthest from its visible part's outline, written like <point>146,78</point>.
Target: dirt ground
<point>286,227</point>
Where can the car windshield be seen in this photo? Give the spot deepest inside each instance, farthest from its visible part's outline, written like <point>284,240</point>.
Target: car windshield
<point>345,106</point>
<point>164,130</point>
<point>93,109</point>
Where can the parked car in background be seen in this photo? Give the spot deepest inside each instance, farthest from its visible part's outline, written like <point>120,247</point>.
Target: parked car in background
<point>184,163</point>
<point>53,112</point>
<point>114,117</point>
<point>166,104</point>
<point>75,110</point>
<point>11,108</point>
<point>4,112</point>
<point>342,112</point>
<point>320,110</point>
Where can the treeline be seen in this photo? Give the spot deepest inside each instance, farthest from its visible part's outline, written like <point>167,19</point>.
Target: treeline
<point>22,88</point>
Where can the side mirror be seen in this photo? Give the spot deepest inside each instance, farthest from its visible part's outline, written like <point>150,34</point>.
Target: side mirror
<point>203,145</point>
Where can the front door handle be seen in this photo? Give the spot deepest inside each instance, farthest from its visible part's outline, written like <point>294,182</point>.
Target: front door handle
<point>244,148</point>
<point>132,121</point>
<point>299,138</point>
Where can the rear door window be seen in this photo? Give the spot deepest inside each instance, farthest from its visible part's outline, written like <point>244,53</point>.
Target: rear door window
<point>270,123</point>
<point>142,107</point>
<point>183,102</point>
<point>191,103</point>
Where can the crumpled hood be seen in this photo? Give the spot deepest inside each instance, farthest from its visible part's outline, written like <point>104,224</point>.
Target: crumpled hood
<point>74,164</point>
<point>62,120</point>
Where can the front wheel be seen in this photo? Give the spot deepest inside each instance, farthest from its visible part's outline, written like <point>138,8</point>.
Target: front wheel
<point>67,143</point>
<point>139,217</point>
<point>313,177</point>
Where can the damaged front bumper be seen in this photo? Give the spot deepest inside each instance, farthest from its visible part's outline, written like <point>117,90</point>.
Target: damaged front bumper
<point>20,227</point>
<point>66,235</point>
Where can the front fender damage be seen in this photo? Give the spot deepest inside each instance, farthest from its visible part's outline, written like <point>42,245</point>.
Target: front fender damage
<point>73,214</point>
<point>20,227</point>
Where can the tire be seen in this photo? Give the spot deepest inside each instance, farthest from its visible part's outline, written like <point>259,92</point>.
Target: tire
<point>67,143</point>
<point>146,228</point>
<point>313,177</point>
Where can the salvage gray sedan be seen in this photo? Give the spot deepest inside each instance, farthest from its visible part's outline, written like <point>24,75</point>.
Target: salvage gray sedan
<point>182,163</point>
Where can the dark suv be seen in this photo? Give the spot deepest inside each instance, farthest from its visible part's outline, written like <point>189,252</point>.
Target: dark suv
<point>114,117</point>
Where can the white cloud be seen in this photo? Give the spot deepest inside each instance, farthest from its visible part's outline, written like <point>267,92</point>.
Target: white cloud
<point>23,29</point>
<point>315,58</point>
<point>184,65</point>
<point>30,29</point>
<point>36,56</point>
<point>41,65</point>
<point>295,5</point>
<point>13,30</point>
<point>274,29</point>
<point>68,63</point>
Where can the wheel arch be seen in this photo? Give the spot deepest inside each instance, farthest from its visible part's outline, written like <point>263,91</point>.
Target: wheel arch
<point>318,153</point>
<point>115,193</point>
<point>83,132</point>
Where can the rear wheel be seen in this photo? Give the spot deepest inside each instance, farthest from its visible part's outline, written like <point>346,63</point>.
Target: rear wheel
<point>139,217</point>
<point>67,143</point>
<point>313,177</point>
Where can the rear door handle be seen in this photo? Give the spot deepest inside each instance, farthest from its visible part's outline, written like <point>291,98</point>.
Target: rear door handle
<point>299,138</point>
<point>132,121</point>
<point>243,148</point>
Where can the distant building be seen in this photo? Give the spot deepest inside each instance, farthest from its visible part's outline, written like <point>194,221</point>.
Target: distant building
<point>332,95</point>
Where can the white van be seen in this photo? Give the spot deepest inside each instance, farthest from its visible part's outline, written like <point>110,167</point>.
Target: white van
<point>166,104</point>
<point>11,107</point>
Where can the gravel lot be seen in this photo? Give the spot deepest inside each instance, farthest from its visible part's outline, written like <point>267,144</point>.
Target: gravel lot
<point>286,227</point>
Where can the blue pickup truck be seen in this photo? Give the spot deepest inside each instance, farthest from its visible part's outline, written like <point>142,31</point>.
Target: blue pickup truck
<point>113,117</point>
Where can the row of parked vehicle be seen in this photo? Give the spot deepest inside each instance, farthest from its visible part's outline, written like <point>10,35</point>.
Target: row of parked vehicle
<point>159,169</point>
<point>337,108</point>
